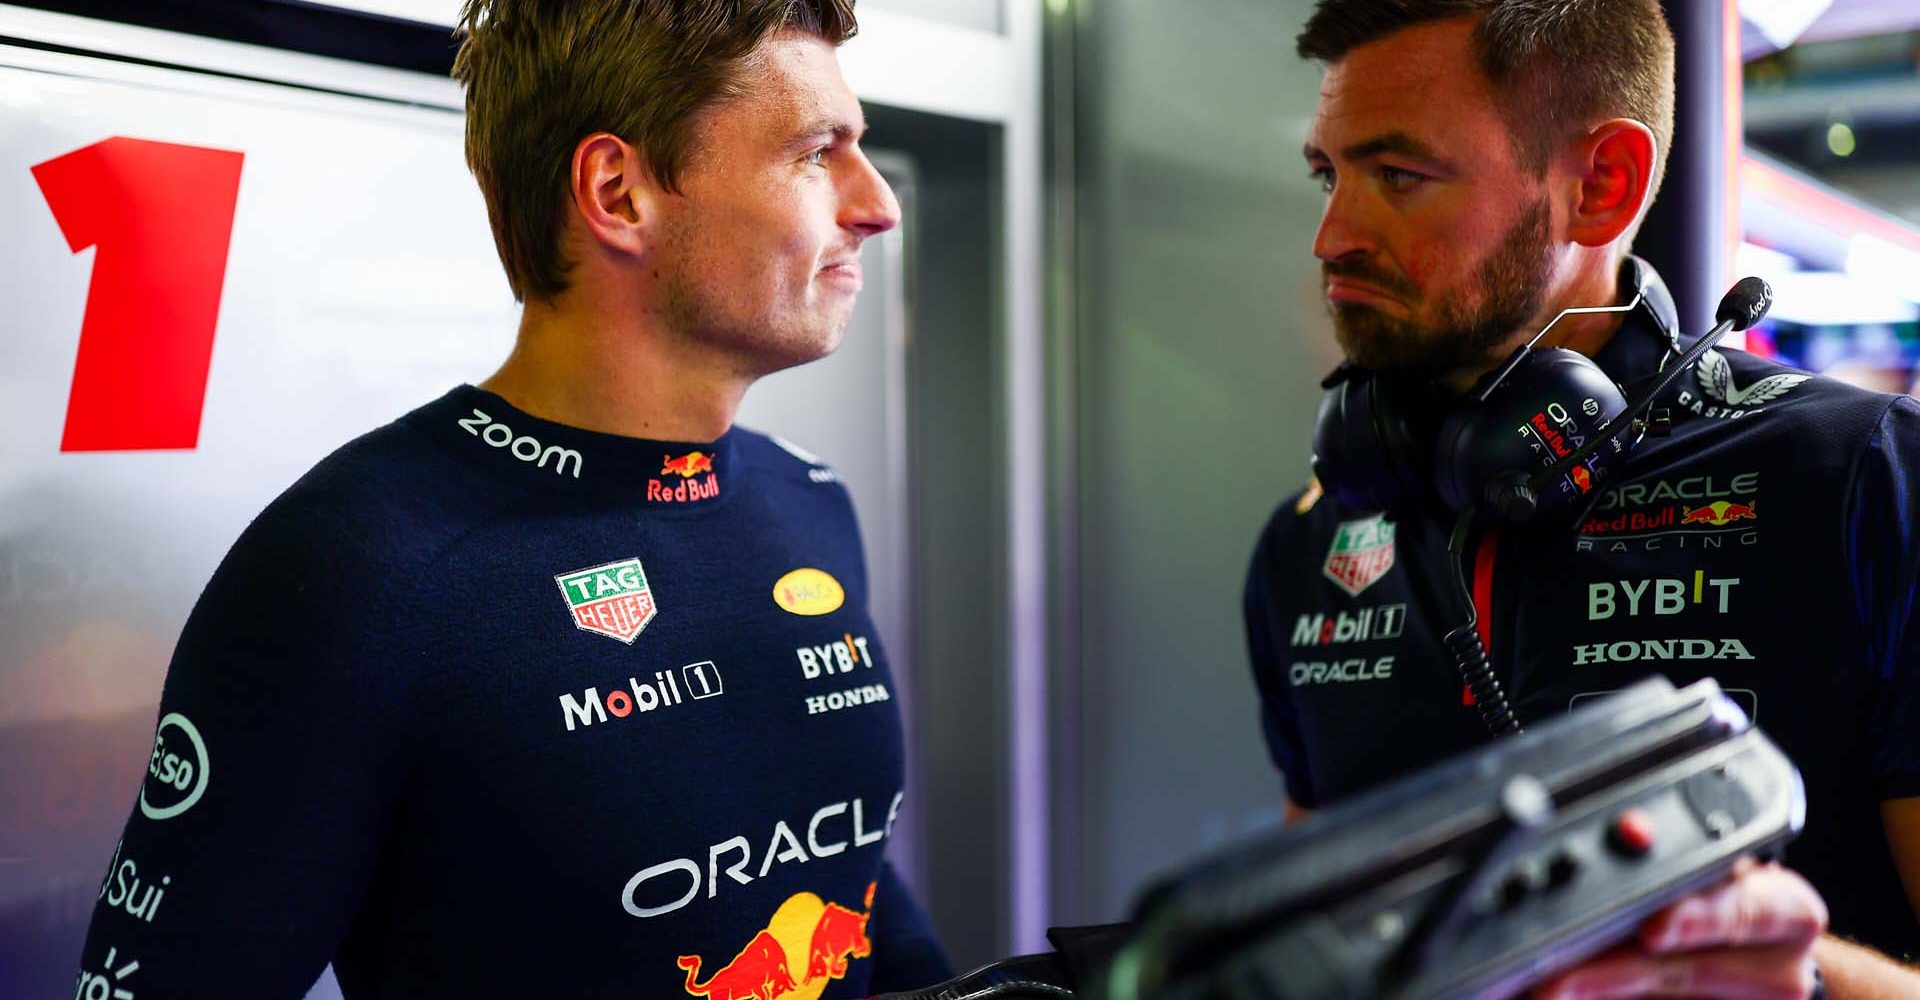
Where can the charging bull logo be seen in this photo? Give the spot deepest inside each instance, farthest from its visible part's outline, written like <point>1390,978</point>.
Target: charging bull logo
<point>759,972</point>
<point>1721,512</point>
<point>840,935</point>
<point>686,466</point>
<point>687,488</point>
<point>828,934</point>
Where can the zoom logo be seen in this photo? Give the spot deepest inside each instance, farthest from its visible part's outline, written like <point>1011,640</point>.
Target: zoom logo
<point>525,448</point>
<point>176,770</point>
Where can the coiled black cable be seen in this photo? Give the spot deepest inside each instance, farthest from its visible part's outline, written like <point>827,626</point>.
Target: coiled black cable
<point>1469,655</point>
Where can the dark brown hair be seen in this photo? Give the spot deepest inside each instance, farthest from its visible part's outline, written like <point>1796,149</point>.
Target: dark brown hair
<point>541,75</point>
<point>1559,66</point>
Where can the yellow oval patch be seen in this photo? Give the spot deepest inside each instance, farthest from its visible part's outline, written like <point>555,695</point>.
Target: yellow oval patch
<point>809,592</point>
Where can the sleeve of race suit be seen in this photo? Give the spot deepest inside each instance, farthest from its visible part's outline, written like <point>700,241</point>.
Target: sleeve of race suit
<point>1277,721</point>
<point>906,955</point>
<point>1883,547</point>
<point>274,760</point>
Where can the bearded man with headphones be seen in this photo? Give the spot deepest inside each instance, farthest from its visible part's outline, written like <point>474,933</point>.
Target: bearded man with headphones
<point>1533,487</point>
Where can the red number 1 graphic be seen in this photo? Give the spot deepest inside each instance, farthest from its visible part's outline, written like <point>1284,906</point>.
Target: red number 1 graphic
<point>162,216</point>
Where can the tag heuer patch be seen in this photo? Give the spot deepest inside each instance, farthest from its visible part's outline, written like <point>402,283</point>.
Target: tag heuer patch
<point>612,600</point>
<point>1362,553</point>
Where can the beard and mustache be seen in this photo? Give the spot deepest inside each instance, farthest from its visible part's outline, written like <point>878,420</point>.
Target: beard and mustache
<point>1469,328</point>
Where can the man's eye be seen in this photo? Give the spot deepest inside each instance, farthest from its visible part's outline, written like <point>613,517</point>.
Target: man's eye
<point>1398,180</point>
<point>818,156</point>
<point>1324,177</point>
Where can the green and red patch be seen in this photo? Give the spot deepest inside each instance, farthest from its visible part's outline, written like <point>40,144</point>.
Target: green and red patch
<point>613,600</point>
<point>1362,553</point>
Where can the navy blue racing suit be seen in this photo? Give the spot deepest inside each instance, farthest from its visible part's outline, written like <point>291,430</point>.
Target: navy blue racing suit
<point>486,705</point>
<point>1768,542</point>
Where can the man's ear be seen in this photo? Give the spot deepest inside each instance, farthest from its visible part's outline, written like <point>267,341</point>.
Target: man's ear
<point>1613,168</point>
<point>614,194</point>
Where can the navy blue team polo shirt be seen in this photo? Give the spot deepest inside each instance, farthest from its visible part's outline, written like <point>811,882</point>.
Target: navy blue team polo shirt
<point>485,705</point>
<point>1769,542</point>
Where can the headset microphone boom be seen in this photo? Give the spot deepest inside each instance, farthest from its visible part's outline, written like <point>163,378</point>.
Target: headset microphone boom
<point>1515,495</point>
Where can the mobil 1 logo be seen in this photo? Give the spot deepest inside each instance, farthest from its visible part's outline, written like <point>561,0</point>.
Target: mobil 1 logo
<point>1385,621</point>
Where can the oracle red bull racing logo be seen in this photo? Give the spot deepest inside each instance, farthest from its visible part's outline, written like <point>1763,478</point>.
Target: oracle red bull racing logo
<point>613,600</point>
<point>828,935</point>
<point>688,489</point>
<point>1700,512</point>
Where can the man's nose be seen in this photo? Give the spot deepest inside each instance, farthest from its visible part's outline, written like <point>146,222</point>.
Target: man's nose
<point>868,205</point>
<point>1343,229</point>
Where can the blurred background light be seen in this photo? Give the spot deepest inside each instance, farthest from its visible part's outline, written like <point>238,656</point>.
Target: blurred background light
<point>1782,21</point>
<point>1840,139</point>
<point>1896,269</point>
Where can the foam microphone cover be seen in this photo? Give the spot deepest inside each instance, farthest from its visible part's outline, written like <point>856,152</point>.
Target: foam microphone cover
<point>1747,301</point>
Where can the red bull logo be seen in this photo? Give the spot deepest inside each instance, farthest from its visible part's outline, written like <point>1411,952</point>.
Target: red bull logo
<point>1722,512</point>
<point>839,937</point>
<point>1633,521</point>
<point>759,972</point>
<point>831,936</point>
<point>686,466</point>
<point>688,489</point>
<point>1555,441</point>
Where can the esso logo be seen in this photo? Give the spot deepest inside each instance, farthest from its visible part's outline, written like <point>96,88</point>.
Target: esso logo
<point>176,770</point>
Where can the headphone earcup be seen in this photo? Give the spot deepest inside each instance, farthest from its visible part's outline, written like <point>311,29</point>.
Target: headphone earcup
<point>1553,401</point>
<point>1364,454</point>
